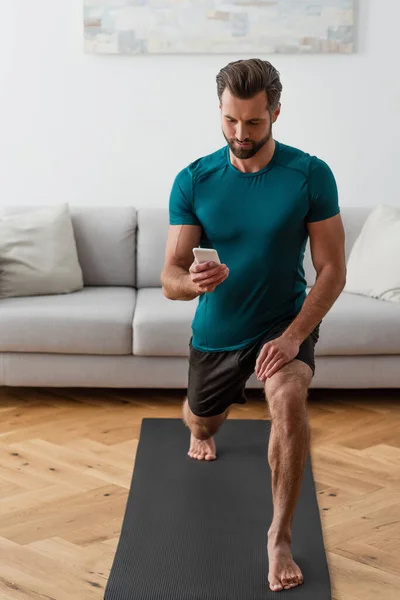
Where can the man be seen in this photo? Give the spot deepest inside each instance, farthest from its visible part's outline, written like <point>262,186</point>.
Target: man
<point>256,201</point>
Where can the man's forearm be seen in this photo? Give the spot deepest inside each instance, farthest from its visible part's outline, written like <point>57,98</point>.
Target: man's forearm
<point>319,301</point>
<point>176,284</point>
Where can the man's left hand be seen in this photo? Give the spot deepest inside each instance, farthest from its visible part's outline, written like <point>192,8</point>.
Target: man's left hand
<point>274,355</point>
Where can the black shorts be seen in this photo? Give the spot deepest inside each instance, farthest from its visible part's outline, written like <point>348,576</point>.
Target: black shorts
<point>218,379</point>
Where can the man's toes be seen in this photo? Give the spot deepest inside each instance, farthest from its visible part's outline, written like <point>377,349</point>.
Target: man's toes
<point>275,586</point>
<point>202,454</point>
<point>289,581</point>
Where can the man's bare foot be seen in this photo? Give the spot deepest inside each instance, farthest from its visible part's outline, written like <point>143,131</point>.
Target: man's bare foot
<point>284,573</point>
<point>202,450</point>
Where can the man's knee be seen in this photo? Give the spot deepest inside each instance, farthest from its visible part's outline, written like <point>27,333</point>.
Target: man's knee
<point>287,392</point>
<point>288,406</point>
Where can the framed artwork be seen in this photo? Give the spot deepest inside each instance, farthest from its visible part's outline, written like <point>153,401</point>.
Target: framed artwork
<point>218,26</point>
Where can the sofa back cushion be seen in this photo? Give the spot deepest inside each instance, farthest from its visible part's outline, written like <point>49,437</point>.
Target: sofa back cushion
<point>353,218</point>
<point>105,241</point>
<point>152,236</point>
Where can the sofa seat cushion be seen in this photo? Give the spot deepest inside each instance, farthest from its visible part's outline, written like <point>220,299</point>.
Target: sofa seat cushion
<point>94,320</point>
<point>359,325</point>
<point>162,327</point>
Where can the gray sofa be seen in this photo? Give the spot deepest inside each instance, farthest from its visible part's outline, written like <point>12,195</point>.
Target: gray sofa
<point>121,331</point>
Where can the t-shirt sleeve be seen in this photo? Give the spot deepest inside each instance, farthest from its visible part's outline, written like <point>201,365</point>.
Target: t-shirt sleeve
<point>181,210</point>
<point>323,192</point>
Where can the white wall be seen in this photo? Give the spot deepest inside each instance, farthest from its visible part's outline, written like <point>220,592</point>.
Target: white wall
<point>90,130</point>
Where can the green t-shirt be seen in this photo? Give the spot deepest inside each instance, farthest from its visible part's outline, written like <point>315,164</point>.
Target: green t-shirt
<point>257,223</point>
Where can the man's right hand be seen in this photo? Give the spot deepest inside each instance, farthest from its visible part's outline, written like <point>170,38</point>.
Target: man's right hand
<point>206,276</point>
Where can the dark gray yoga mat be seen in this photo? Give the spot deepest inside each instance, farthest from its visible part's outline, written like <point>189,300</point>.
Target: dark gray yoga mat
<point>197,530</point>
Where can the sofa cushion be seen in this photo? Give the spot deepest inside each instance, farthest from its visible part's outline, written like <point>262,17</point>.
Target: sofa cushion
<point>353,218</point>
<point>152,237</point>
<point>105,241</point>
<point>360,325</point>
<point>94,320</point>
<point>373,268</point>
<point>162,327</point>
<point>38,253</point>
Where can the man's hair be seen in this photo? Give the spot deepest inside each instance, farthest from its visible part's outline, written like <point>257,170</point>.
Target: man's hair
<point>246,78</point>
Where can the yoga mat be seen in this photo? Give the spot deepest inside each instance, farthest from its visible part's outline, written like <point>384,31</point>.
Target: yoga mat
<point>197,530</point>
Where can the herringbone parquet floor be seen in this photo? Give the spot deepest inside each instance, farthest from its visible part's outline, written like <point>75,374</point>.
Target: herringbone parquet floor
<point>66,463</point>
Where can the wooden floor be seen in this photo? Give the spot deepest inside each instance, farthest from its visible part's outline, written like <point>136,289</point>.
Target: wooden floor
<point>67,457</point>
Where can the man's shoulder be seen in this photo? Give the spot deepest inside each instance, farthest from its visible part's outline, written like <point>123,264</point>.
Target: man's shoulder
<point>205,165</point>
<point>294,158</point>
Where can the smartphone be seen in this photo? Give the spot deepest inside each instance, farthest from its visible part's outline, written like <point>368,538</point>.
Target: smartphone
<point>206,255</point>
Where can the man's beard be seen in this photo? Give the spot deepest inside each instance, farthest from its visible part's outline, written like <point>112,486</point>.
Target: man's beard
<point>245,153</point>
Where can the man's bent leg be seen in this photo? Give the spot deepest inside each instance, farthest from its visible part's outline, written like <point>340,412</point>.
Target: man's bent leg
<point>202,444</point>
